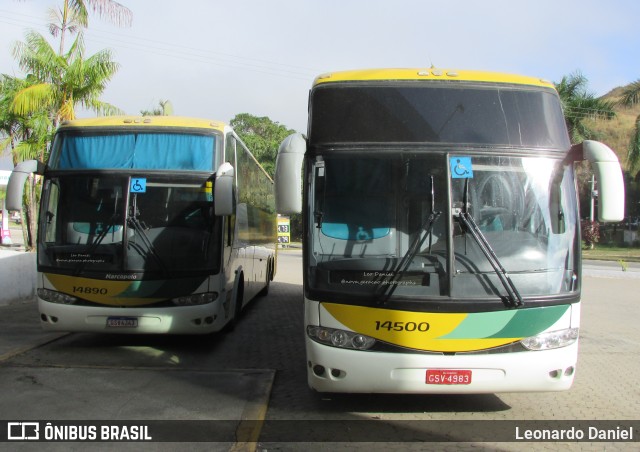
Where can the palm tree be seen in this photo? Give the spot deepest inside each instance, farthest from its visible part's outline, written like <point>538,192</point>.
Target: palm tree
<point>579,104</point>
<point>73,17</point>
<point>64,81</point>
<point>56,84</point>
<point>631,97</point>
<point>164,108</point>
<point>26,137</point>
<point>10,123</point>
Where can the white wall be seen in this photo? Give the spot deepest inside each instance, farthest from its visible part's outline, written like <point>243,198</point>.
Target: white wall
<point>17,276</point>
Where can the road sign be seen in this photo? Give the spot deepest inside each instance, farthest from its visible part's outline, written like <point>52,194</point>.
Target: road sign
<point>284,230</point>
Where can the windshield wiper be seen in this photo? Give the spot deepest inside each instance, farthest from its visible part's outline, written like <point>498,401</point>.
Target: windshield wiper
<point>389,287</point>
<point>472,227</point>
<point>98,240</point>
<point>134,223</point>
<point>96,243</point>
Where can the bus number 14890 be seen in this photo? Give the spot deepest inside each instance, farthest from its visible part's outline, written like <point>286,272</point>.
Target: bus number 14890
<point>90,290</point>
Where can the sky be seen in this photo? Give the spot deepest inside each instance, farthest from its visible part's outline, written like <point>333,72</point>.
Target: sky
<point>215,59</point>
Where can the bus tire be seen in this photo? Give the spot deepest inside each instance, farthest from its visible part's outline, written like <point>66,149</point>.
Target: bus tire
<point>265,290</point>
<point>239,296</point>
<point>238,293</point>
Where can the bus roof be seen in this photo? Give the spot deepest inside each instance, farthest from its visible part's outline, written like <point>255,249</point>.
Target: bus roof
<point>429,74</point>
<point>145,121</point>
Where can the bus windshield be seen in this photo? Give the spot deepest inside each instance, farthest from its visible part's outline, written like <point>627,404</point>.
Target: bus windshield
<point>92,224</point>
<point>387,225</point>
<point>419,112</point>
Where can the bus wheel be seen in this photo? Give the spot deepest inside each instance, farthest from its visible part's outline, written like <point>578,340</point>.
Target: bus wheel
<point>239,297</point>
<point>265,289</point>
<point>237,306</point>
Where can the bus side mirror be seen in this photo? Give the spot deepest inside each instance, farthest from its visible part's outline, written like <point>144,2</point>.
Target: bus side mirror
<point>223,194</point>
<point>608,173</point>
<point>15,186</point>
<point>288,176</point>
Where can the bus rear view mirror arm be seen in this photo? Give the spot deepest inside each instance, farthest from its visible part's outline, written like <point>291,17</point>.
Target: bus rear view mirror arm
<point>15,187</point>
<point>288,177</point>
<point>608,173</point>
<point>224,198</point>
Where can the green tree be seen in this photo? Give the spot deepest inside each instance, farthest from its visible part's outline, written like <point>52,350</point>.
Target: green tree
<point>56,83</point>
<point>73,17</point>
<point>579,104</point>
<point>262,136</point>
<point>63,81</point>
<point>13,128</point>
<point>164,108</point>
<point>25,136</point>
<point>53,88</point>
<point>631,97</point>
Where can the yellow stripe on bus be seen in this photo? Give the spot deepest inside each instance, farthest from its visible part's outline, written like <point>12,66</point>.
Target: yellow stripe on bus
<point>433,74</point>
<point>416,330</point>
<point>97,290</point>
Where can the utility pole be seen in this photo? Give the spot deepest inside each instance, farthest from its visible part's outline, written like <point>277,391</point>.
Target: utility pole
<point>594,195</point>
<point>5,235</point>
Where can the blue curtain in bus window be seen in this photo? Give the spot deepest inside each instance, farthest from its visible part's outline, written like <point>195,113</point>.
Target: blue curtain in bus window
<point>114,151</point>
<point>172,151</point>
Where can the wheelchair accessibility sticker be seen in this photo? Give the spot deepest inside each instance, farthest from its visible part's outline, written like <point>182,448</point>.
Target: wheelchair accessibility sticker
<point>461,167</point>
<point>138,185</point>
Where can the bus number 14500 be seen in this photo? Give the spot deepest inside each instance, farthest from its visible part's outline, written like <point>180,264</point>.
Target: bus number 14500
<point>402,326</point>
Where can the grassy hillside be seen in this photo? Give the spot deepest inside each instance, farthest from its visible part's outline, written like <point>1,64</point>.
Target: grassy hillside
<point>617,132</point>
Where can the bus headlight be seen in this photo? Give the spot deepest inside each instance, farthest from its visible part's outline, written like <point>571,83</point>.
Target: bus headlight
<point>554,339</point>
<point>195,299</point>
<point>340,338</point>
<point>53,296</point>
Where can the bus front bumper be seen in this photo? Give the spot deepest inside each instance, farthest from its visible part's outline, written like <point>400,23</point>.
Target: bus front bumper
<point>332,369</point>
<point>199,319</point>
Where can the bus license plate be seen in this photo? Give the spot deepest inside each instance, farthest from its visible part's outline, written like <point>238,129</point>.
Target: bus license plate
<point>448,377</point>
<point>122,322</point>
